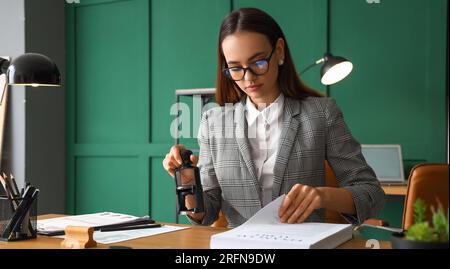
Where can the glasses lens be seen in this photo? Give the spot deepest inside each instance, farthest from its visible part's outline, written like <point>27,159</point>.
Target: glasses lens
<point>235,73</point>
<point>259,67</point>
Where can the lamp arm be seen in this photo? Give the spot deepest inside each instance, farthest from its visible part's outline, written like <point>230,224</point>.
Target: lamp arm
<point>321,60</point>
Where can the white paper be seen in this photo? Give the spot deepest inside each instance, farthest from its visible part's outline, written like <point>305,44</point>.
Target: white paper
<point>87,220</point>
<point>119,236</point>
<point>265,230</point>
<point>101,219</point>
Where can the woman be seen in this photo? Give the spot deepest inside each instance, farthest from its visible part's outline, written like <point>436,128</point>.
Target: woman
<point>272,135</point>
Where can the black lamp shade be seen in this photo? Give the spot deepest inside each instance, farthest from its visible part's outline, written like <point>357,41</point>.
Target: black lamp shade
<point>33,69</point>
<point>335,69</point>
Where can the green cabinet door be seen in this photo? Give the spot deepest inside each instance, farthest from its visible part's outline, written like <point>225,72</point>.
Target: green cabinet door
<point>108,106</point>
<point>184,55</point>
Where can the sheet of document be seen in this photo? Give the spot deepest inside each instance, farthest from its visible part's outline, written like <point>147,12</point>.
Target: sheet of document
<point>266,221</point>
<point>266,229</point>
<point>120,236</point>
<point>89,220</point>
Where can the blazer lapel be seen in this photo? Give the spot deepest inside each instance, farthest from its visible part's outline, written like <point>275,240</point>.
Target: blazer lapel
<point>242,140</point>
<point>287,139</point>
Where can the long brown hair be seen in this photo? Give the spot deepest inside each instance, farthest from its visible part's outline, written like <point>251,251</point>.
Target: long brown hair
<point>255,20</point>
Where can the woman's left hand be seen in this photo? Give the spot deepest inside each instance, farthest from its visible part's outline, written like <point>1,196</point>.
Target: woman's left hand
<point>299,203</point>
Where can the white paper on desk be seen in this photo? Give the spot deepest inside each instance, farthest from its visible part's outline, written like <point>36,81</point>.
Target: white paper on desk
<point>120,236</point>
<point>265,230</point>
<point>87,220</point>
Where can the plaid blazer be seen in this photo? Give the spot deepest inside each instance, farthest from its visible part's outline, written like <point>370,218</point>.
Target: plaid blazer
<point>313,131</point>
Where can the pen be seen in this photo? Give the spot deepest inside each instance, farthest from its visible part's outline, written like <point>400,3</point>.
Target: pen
<point>14,185</point>
<point>133,223</point>
<point>135,227</point>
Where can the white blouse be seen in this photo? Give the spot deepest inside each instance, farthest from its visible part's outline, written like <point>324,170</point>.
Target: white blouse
<point>264,130</point>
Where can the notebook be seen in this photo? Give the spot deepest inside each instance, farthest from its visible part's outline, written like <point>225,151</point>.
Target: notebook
<point>386,161</point>
<point>265,231</point>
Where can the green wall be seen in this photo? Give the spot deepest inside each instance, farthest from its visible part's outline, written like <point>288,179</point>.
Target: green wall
<point>396,94</point>
<point>126,59</point>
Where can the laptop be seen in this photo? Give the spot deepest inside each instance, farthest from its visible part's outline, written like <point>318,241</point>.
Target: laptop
<point>387,163</point>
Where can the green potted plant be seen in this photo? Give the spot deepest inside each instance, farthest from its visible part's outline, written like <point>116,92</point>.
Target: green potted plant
<point>421,235</point>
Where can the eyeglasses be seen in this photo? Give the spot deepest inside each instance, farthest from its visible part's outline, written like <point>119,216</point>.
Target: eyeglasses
<point>258,68</point>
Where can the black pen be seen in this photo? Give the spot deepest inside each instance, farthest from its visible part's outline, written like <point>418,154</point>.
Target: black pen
<point>135,227</point>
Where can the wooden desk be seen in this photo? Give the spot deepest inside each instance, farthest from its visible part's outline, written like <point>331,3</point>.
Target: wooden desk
<point>395,190</point>
<point>196,237</point>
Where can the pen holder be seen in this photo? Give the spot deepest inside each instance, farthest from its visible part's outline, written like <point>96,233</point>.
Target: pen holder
<point>27,229</point>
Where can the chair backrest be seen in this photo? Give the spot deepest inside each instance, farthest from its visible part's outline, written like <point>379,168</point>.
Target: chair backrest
<point>428,182</point>
<point>330,216</point>
<point>221,221</point>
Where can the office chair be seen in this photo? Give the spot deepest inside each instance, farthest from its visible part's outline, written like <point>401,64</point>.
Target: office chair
<point>428,182</point>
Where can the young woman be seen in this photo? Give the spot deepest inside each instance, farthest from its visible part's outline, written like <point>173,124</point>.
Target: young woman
<point>272,135</point>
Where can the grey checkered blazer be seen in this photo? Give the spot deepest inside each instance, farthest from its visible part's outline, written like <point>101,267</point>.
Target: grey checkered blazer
<point>313,131</point>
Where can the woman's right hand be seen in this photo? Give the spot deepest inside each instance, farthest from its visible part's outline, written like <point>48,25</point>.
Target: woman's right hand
<point>173,159</point>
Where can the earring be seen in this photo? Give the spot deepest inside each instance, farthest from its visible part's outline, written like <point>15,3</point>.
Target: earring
<point>281,62</point>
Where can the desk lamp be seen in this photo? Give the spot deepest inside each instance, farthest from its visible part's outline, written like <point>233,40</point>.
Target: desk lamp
<point>334,69</point>
<point>30,69</point>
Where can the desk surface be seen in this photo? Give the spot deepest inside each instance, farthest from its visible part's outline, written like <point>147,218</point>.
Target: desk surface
<point>399,190</point>
<point>196,237</point>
